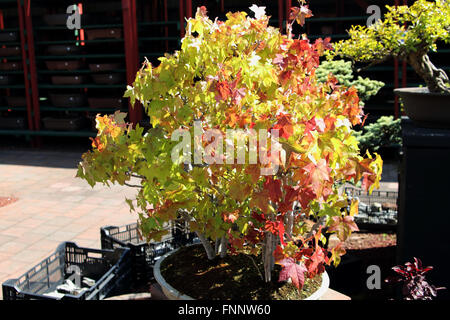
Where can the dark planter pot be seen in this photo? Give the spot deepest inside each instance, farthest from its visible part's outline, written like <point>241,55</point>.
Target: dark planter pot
<point>10,66</point>
<point>64,65</point>
<point>12,123</point>
<point>8,79</point>
<point>99,67</point>
<point>16,101</point>
<point>8,36</point>
<point>10,51</point>
<point>424,108</point>
<point>63,124</point>
<point>108,78</point>
<point>63,49</point>
<point>68,79</point>
<point>74,100</point>
<point>113,33</point>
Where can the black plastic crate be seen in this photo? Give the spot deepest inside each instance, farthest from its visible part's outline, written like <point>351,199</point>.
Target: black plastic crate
<point>145,255</point>
<point>111,270</point>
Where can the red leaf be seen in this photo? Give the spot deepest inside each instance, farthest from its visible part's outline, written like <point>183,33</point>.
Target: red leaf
<point>230,217</point>
<point>300,14</point>
<point>293,271</point>
<point>284,126</point>
<point>224,90</point>
<point>273,186</point>
<point>305,196</point>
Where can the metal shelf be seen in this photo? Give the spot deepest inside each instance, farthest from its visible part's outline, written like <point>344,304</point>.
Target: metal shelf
<point>81,109</point>
<point>78,86</point>
<point>86,71</point>
<point>92,26</point>
<point>48,133</point>
<point>13,108</point>
<point>12,86</point>
<point>78,41</point>
<point>75,56</point>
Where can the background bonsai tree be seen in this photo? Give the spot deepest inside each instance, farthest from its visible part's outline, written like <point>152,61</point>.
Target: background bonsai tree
<point>385,132</point>
<point>342,71</point>
<point>406,33</point>
<point>240,81</point>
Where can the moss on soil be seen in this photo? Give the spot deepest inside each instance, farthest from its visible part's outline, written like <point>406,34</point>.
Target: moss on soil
<point>231,278</point>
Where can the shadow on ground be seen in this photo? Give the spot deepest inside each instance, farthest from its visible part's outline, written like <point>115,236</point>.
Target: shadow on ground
<point>54,153</point>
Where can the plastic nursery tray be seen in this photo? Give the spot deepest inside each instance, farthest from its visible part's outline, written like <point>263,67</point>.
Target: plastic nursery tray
<point>144,255</point>
<point>111,270</point>
<point>12,123</point>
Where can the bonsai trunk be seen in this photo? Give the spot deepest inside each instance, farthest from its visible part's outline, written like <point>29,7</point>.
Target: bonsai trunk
<point>435,78</point>
<point>210,252</point>
<point>268,256</point>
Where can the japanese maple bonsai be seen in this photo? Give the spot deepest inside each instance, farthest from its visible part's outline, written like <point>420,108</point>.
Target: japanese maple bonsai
<point>240,77</point>
<point>409,34</point>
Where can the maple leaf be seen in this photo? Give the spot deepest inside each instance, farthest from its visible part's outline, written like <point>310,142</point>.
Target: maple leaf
<point>300,14</point>
<point>279,254</point>
<point>254,172</point>
<point>258,217</point>
<point>97,144</point>
<point>259,200</point>
<point>230,217</point>
<point>318,174</point>
<point>202,12</point>
<point>305,196</point>
<point>315,261</point>
<point>224,90</point>
<point>260,12</point>
<point>276,227</point>
<point>284,126</point>
<point>273,186</point>
<point>292,270</point>
<point>336,254</point>
<point>343,226</point>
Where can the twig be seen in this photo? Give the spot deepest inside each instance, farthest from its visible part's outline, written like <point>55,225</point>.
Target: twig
<point>132,185</point>
<point>259,271</point>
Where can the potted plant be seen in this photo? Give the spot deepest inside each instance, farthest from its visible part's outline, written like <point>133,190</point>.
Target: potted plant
<point>248,148</point>
<point>408,33</point>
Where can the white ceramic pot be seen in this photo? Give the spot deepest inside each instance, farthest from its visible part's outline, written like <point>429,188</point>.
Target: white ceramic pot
<point>173,294</point>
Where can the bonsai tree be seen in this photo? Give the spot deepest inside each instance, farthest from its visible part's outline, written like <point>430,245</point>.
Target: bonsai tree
<point>384,132</point>
<point>342,71</point>
<point>406,33</point>
<point>242,133</point>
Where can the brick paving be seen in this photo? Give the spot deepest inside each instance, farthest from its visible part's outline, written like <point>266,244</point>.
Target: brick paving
<point>53,207</point>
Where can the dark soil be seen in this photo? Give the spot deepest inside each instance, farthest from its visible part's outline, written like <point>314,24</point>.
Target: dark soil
<point>4,201</point>
<point>234,277</point>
